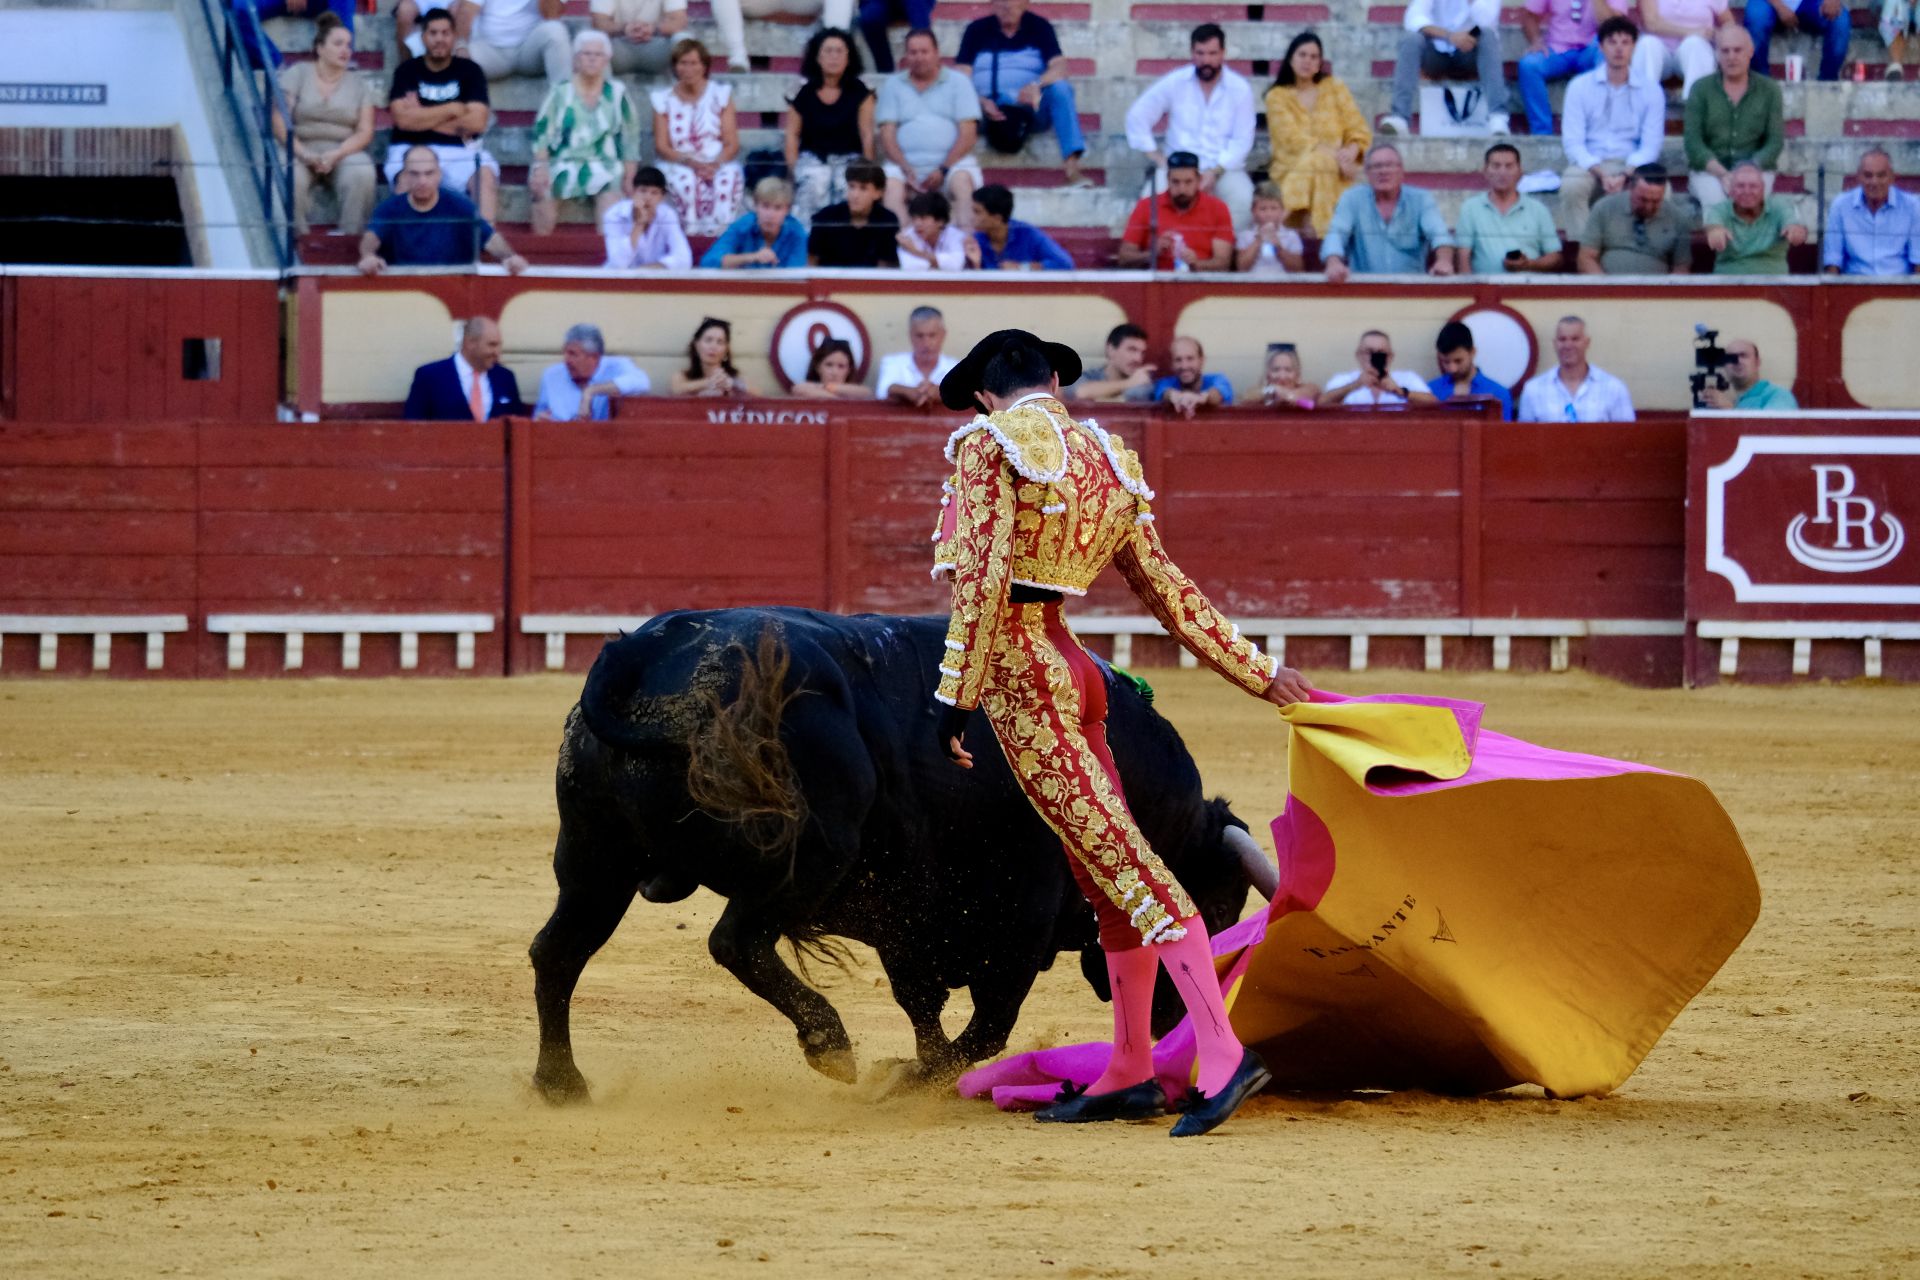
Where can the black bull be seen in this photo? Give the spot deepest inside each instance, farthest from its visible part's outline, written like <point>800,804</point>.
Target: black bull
<point>786,760</point>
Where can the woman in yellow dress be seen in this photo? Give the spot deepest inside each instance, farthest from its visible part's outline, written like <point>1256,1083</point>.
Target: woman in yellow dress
<point>1317,133</point>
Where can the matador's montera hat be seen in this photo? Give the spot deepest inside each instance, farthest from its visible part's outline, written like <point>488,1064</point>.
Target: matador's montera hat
<point>963,380</point>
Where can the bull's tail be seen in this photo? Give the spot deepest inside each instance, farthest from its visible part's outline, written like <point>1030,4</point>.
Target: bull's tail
<point>738,769</point>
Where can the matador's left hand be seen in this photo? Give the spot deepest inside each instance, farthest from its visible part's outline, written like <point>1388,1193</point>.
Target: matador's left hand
<point>952,734</point>
<point>1288,687</point>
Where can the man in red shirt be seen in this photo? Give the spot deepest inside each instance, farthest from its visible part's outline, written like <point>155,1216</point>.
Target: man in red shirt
<point>1187,225</point>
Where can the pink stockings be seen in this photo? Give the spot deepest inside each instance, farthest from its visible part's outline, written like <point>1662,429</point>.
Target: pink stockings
<point>1189,963</point>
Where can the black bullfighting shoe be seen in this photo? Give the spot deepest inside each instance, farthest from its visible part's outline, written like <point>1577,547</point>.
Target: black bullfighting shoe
<point>1075,1105</point>
<point>1204,1114</point>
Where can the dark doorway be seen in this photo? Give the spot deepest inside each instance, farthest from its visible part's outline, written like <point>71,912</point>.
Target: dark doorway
<point>99,222</point>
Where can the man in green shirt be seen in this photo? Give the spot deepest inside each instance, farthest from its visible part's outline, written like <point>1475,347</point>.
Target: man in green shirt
<point>1733,116</point>
<point>1502,230</point>
<point>1638,232</point>
<point>1749,232</point>
<point>1747,389</point>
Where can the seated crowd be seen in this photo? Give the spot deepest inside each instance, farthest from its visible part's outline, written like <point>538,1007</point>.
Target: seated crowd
<point>472,385</point>
<point>886,176</point>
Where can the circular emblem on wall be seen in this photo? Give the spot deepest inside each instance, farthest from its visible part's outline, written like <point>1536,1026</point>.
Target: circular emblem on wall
<point>1503,343</point>
<point>800,332</point>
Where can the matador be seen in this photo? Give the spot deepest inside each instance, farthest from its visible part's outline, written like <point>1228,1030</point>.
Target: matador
<point>1037,506</point>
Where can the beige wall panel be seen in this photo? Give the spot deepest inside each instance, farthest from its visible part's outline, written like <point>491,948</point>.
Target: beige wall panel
<point>652,329</point>
<point>371,342</point>
<point>1648,343</point>
<point>1875,349</point>
<point>1235,330</point>
<point>1082,321</point>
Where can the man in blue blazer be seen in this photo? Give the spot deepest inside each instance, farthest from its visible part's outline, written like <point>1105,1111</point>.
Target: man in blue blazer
<point>470,385</point>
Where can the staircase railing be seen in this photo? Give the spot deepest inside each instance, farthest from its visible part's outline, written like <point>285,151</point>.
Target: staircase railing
<point>269,166</point>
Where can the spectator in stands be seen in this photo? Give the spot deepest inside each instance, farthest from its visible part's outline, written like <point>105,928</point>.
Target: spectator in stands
<point>1386,226</point>
<point>730,16</point>
<point>644,231</point>
<point>1613,120</point>
<point>1373,380</point>
<point>1208,108</point>
<point>929,118</point>
<point>1737,116</point>
<point>515,38</point>
<point>1005,243</point>
<point>1449,40</point>
<point>696,137</point>
<point>1679,40</point>
<point>1285,385</point>
<point>1181,228</point>
<point>1827,19</point>
<point>584,385</point>
<point>248,14</point>
<point>1190,388</point>
<point>1638,232</point>
<point>1750,231</point>
<point>1502,230</point>
<point>439,100</point>
<point>1874,229</point>
<point>586,138</point>
<point>877,15</point>
<point>471,385</point>
<point>767,236</point>
<point>1126,376</point>
<point>829,123</point>
<point>830,374</point>
<point>332,111</point>
<point>929,242</point>
<point>859,231</point>
<point>1573,390</point>
<point>1316,133</point>
<point>1898,20</point>
<point>710,370</point>
<point>642,32</point>
<point>1013,58</point>
<point>428,227</point>
<point>1269,247</point>
<point>1562,41</point>
<point>1460,377</point>
<point>912,377</point>
<point>1747,389</point>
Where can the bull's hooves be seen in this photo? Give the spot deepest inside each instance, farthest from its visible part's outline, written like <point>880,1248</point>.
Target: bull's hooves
<point>896,1077</point>
<point>562,1090</point>
<point>836,1064</point>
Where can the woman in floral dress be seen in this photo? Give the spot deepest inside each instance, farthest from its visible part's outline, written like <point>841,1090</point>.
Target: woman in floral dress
<point>696,140</point>
<point>586,139</point>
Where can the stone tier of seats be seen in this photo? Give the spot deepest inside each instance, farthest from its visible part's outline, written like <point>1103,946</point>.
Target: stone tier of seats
<point>1118,47</point>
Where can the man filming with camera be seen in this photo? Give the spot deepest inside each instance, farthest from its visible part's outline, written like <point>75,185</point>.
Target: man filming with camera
<point>1741,386</point>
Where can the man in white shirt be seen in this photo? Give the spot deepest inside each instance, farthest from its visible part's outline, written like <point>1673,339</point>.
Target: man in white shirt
<point>1574,391</point>
<point>1376,381</point>
<point>1209,111</point>
<point>642,31</point>
<point>515,38</point>
<point>913,377</point>
<point>583,385</point>
<point>1449,40</point>
<point>1612,122</point>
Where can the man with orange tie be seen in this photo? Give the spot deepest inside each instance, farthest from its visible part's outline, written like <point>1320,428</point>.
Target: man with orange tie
<point>471,385</point>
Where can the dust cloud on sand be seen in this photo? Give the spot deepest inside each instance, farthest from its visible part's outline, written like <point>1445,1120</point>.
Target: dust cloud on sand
<point>265,1010</point>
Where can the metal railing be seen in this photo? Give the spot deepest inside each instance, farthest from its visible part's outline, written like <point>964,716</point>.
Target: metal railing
<point>269,165</point>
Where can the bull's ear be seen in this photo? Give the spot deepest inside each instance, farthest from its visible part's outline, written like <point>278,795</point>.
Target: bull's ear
<point>1093,963</point>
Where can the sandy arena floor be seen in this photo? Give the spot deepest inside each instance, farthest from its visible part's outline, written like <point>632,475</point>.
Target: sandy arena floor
<point>265,1010</point>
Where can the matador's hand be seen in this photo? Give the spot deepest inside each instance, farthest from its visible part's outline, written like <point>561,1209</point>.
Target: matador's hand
<point>952,732</point>
<point>1288,687</point>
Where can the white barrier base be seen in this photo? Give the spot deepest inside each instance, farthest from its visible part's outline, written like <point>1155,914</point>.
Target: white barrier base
<point>1871,636</point>
<point>294,628</point>
<point>102,627</point>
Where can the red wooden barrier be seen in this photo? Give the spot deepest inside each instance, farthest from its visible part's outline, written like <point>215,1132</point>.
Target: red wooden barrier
<point>97,521</point>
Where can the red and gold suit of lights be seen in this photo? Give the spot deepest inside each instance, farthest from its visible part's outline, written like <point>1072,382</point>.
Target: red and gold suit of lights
<point>1041,500</point>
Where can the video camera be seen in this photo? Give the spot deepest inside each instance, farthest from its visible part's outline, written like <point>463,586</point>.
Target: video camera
<point>1708,359</point>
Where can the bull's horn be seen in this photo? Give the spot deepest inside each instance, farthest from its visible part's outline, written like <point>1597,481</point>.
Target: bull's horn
<point>1260,869</point>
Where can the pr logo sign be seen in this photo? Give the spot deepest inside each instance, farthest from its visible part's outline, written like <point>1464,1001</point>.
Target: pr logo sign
<point>1815,519</point>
